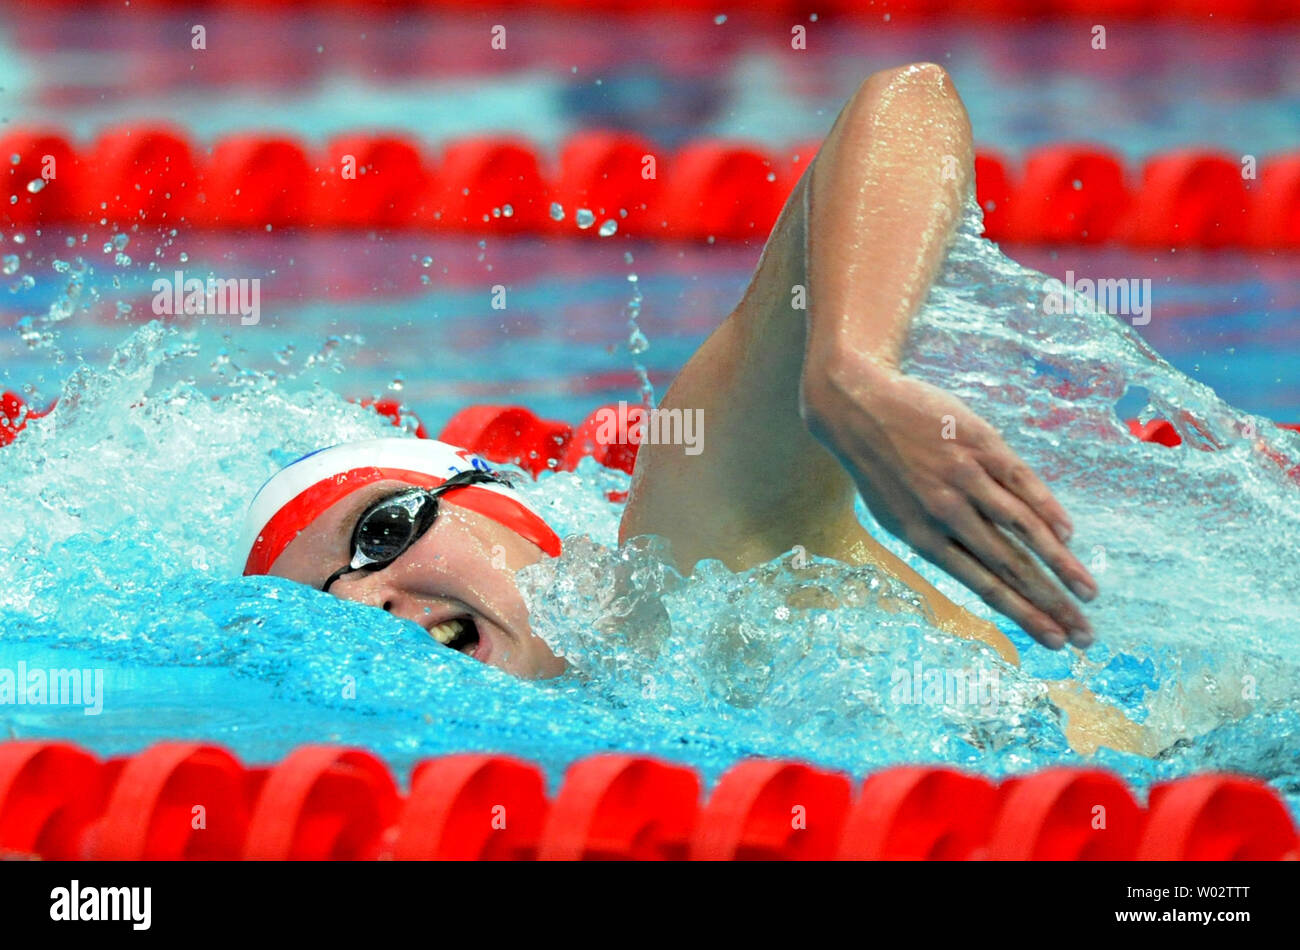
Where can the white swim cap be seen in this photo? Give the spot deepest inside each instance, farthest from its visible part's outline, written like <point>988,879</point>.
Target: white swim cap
<point>300,492</point>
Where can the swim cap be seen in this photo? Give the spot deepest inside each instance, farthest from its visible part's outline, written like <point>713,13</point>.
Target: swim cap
<point>299,493</point>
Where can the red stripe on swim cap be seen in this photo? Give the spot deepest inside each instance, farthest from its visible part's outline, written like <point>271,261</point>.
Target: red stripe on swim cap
<point>309,504</point>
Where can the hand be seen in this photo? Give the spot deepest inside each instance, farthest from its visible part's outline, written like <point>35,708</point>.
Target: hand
<point>958,500</point>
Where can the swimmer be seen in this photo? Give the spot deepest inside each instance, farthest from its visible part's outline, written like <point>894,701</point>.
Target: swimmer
<point>423,530</point>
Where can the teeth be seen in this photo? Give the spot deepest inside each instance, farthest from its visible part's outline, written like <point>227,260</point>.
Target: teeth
<point>444,633</point>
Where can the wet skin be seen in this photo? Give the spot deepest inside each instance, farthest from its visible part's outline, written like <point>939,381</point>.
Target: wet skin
<point>462,567</point>
<point>814,405</point>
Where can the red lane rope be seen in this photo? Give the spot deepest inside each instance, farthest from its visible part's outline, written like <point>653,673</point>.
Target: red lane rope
<point>898,10</point>
<point>152,174</point>
<point>189,800</point>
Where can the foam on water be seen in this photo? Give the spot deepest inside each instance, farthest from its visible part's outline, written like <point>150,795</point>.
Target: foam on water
<point>123,505</point>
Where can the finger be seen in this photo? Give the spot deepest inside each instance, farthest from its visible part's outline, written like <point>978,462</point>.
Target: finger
<point>949,555</point>
<point>1006,510</point>
<point>1016,567</point>
<point>1023,482</point>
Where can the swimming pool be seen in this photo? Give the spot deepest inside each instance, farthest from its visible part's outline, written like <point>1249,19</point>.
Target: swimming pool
<point>133,489</point>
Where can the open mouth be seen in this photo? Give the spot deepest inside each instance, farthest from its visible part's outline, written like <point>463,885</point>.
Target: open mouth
<point>459,633</point>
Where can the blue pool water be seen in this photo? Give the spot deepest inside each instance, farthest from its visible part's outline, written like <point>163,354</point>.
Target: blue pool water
<point>132,491</point>
<point>122,507</point>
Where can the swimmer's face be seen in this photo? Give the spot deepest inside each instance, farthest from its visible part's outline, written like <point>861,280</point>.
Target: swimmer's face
<point>460,571</point>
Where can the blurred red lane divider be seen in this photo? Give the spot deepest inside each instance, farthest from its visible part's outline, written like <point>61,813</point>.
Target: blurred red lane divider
<point>900,10</point>
<point>515,435</point>
<point>603,182</point>
<point>180,800</point>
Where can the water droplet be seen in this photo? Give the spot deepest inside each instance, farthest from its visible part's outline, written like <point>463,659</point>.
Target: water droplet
<point>184,257</point>
<point>585,218</point>
<point>59,266</point>
<point>771,176</point>
<point>123,308</point>
<point>507,211</point>
<point>557,210</point>
<point>1078,185</point>
<point>36,185</point>
<point>120,241</point>
<point>11,263</point>
<point>608,228</point>
<point>15,158</point>
<point>426,261</point>
<point>720,19</point>
<point>627,257</point>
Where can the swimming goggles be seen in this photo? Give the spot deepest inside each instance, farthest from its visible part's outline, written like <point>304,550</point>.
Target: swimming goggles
<point>388,528</point>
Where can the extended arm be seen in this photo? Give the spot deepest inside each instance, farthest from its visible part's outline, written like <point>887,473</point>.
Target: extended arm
<point>802,407</point>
